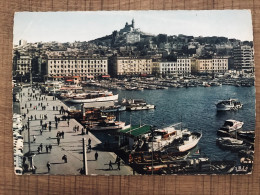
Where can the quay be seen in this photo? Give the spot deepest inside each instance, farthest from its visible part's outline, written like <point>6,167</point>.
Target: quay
<point>71,145</point>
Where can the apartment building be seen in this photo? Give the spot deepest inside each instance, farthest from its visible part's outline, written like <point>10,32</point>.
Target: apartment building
<point>83,67</point>
<point>244,58</point>
<point>213,65</point>
<point>131,66</point>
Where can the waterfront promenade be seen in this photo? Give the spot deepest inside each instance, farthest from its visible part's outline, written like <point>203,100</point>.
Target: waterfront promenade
<point>71,145</point>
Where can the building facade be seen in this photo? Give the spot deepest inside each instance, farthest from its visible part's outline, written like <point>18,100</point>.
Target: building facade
<point>131,66</point>
<point>23,65</point>
<point>214,65</point>
<point>181,67</point>
<point>244,58</point>
<point>83,67</point>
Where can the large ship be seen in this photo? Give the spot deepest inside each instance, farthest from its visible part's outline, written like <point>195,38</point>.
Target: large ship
<point>104,96</point>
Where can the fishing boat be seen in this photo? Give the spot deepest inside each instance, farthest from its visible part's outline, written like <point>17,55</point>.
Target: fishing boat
<point>231,125</point>
<point>230,104</point>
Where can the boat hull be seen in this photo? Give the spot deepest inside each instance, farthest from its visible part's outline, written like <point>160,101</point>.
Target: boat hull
<point>99,99</point>
<point>192,144</point>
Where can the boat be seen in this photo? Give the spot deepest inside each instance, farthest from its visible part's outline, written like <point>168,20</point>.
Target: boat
<point>248,135</point>
<point>136,104</point>
<point>232,144</point>
<point>231,125</point>
<point>93,97</point>
<point>117,108</point>
<point>230,140</point>
<point>141,107</point>
<point>230,104</point>
<point>163,137</point>
<point>190,140</point>
<point>110,125</point>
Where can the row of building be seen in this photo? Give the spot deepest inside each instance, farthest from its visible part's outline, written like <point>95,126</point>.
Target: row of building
<point>92,67</point>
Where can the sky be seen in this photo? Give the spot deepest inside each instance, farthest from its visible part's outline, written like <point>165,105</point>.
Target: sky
<point>85,26</point>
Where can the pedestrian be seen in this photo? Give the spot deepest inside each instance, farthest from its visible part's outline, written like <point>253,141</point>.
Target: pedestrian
<point>87,130</point>
<point>68,122</point>
<point>96,155</point>
<point>48,166</point>
<point>35,118</point>
<point>34,138</point>
<point>56,125</point>
<point>89,141</point>
<point>47,149</point>
<point>110,165</point>
<point>31,117</point>
<point>62,134</point>
<point>41,122</point>
<point>64,158</point>
<point>49,128</point>
<point>27,111</point>
<point>34,169</point>
<point>24,159</point>
<point>58,140</point>
<point>53,107</point>
<point>41,147</point>
<point>50,147</point>
<point>117,159</point>
<point>82,131</point>
<point>118,165</point>
<point>50,123</point>
<point>41,131</point>
<point>89,148</point>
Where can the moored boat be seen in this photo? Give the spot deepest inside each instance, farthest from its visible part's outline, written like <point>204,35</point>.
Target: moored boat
<point>231,125</point>
<point>93,97</point>
<point>230,104</point>
<point>190,140</point>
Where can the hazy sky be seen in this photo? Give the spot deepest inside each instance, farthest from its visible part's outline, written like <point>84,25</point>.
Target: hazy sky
<point>85,26</point>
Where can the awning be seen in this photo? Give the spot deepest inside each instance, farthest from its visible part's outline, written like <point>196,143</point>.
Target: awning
<point>136,130</point>
<point>69,80</point>
<point>105,76</point>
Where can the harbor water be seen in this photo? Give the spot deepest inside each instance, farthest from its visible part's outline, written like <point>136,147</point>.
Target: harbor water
<point>195,108</point>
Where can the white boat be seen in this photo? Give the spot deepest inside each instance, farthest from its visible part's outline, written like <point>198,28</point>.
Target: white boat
<point>142,107</point>
<point>229,140</point>
<point>99,97</point>
<point>231,125</point>
<point>163,137</point>
<point>231,104</point>
<point>190,140</point>
<point>111,125</point>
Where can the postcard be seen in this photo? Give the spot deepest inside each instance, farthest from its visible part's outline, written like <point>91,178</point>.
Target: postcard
<point>133,92</point>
